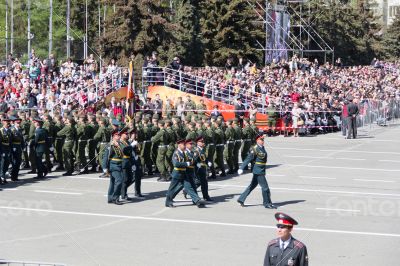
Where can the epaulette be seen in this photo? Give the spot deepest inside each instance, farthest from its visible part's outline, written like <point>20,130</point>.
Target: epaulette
<point>298,244</point>
<point>272,242</point>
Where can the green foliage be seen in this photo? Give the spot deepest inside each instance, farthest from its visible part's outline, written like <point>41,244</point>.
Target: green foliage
<point>391,40</point>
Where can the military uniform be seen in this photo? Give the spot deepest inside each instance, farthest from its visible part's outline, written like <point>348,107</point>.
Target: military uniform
<point>248,135</point>
<point>80,156</point>
<point>219,149</point>
<point>171,139</point>
<point>259,156</point>
<point>25,126</point>
<point>5,149</point>
<point>92,144</point>
<point>180,180</point>
<point>201,164</point>
<point>286,250</point>
<point>102,138</point>
<point>48,125</point>
<point>69,135</point>
<point>272,115</point>
<point>127,172</point>
<point>238,143</point>
<point>209,139</point>
<point>145,152</point>
<point>112,162</point>
<point>160,141</point>
<point>17,144</point>
<point>58,144</point>
<point>32,153</point>
<point>229,149</point>
<point>41,143</point>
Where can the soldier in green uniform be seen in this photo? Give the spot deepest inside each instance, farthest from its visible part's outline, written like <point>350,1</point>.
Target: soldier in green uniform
<point>17,144</point>
<point>190,106</point>
<point>178,128</point>
<point>230,146</point>
<point>31,136</point>
<point>145,152</point>
<point>154,147</point>
<point>191,131</point>
<point>160,140</point>
<point>68,133</point>
<point>59,142</point>
<point>112,165</point>
<point>201,164</point>
<point>238,143</point>
<point>171,140</point>
<point>255,129</point>
<point>137,166</point>
<point>247,136</point>
<point>209,139</point>
<point>25,125</point>
<point>48,125</point>
<point>127,163</point>
<point>219,147</point>
<point>5,148</point>
<point>41,142</point>
<point>199,128</point>
<point>168,109</point>
<point>272,115</point>
<point>82,131</point>
<point>201,107</point>
<point>259,156</point>
<point>180,179</point>
<point>102,138</point>
<point>92,143</point>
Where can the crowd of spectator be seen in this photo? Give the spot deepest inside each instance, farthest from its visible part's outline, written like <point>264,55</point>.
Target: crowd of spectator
<point>302,92</point>
<point>46,83</point>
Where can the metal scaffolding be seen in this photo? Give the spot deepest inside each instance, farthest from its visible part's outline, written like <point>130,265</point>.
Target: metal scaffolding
<point>297,37</point>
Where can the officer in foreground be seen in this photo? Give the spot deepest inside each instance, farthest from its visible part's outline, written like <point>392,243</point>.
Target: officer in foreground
<point>285,250</point>
<point>258,157</point>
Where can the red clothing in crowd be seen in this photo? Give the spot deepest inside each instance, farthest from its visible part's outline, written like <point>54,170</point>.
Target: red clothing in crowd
<point>295,97</point>
<point>117,110</point>
<point>344,111</point>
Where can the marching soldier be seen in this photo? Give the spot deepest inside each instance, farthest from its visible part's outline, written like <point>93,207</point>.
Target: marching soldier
<point>17,144</point>
<point>154,147</point>
<point>191,132</point>
<point>201,107</point>
<point>248,136</point>
<point>58,143</point>
<point>5,148</point>
<point>145,152</point>
<point>31,137</point>
<point>180,179</point>
<point>230,145</point>
<point>92,143</point>
<point>171,139</point>
<point>137,167</point>
<point>112,165</point>
<point>209,138</point>
<point>48,125</point>
<point>201,163</point>
<point>238,143</point>
<point>102,137</point>
<point>161,141</point>
<point>219,147</point>
<point>285,250</point>
<point>68,133</point>
<point>272,115</point>
<point>25,125</point>
<point>127,163</point>
<point>259,156</point>
<point>82,137</point>
<point>255,129</point>
<point>41,143</point>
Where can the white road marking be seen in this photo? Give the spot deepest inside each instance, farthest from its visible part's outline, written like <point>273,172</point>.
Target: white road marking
<point>373,180</point>
<point>275,175</point>
<point>58,192</point>
<point>350,159</point>
<point>198,222</point>
<point>213,184</point>
<point>317,177</point>
<point>343,167</point>
<point>10,189</point>
<point>350,151</point>
<point>337,210</point>
<point>390,161</point>
<point>304,156</point>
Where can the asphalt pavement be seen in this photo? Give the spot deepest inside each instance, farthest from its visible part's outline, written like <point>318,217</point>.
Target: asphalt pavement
<point>345,194</point>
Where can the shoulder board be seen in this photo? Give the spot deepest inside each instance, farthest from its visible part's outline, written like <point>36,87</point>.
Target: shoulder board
<point>272,242</point>
<point>298,244</point>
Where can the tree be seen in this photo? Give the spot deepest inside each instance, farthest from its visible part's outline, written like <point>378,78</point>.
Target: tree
<point>391,40</point>
<point>228,30</point>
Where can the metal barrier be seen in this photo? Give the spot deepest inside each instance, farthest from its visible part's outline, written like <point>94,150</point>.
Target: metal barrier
<point>29,263</point>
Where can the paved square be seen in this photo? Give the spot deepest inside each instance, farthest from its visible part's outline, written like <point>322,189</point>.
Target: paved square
<point>345,195</point>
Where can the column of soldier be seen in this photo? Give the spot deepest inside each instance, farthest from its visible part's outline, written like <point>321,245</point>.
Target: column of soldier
<point>79,143</point>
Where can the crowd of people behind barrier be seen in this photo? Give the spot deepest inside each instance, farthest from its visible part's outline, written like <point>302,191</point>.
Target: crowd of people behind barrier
<point>299,92</point>
<point>46,84</point>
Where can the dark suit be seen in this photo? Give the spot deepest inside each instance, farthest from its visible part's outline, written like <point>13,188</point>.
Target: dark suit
<point>294,254</point>
<point>41,143</point>
<point>352,110</point>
